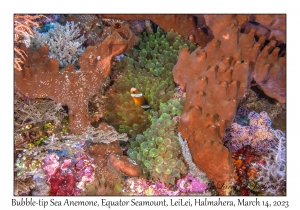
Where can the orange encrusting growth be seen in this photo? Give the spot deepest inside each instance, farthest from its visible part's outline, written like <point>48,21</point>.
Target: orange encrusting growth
<point>139,99</point>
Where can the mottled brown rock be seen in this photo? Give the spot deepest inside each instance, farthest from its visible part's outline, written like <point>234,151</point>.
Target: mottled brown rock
<point>42,79</point>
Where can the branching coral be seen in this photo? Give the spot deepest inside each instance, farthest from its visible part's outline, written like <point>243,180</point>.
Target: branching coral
<point>37,111</point>
<point>35,119</point>
<point>104,134</point>
<point>65,43</point>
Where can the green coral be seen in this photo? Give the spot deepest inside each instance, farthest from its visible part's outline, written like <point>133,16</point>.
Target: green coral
<point>157,150</point>
<point>147,67</point>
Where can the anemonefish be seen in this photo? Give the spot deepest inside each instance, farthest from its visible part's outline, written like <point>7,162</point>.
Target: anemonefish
<point>139,99</point>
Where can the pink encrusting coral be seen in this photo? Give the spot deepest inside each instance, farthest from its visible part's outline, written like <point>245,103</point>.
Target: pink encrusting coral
<point>68,176</point>
<point>191,184</point>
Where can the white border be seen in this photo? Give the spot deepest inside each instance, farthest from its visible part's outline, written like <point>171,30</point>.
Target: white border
<point>8,8</point>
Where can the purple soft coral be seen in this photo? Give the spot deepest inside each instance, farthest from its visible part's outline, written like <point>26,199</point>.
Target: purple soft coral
<point>258,133</point>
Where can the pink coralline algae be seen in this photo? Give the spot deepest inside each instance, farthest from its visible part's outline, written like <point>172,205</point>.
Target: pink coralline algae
<point>191,184</point>
<point>68,176</point>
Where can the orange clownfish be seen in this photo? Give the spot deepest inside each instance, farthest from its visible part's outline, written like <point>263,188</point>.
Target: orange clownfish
<point>139,99</point>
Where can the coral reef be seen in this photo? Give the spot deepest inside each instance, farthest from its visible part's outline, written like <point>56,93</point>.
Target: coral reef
<point>41,78</point>
<point>104,134</point>
<point>270,72</point>
<point>259,154</point>
<point>268,65</point>
<point>23,29</point>
<point>81,129</point>
<point>23,186</point>
<point>36,111</point>
<point>182,24</point>
<point>65,43</point>
<point>258,133</point>
<point>91,27</point>
<point>103,187</point>
<point>68,175</point>
<point>268,77</point>
<point>191,184</point>
<point>185,186</point>
<point>212,97</point>
<point>257,101</point>
<point>193,169</point>
<point>272,26</point>
<point>111,166</point>
<point>64,165</point>
<point>223,73</point>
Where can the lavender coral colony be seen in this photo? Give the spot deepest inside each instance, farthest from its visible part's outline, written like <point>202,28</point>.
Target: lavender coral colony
<point>149,105</point>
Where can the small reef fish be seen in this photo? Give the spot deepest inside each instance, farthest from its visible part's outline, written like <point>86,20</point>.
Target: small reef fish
<point>139,99</point>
